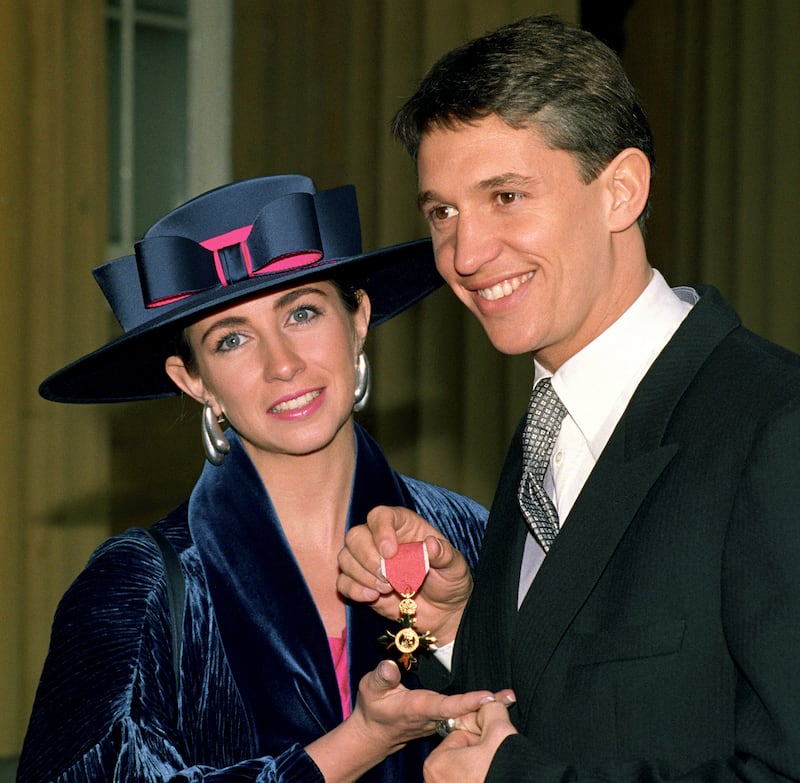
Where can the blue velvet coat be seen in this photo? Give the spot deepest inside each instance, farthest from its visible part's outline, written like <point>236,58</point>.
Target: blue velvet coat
<point>257,681</point>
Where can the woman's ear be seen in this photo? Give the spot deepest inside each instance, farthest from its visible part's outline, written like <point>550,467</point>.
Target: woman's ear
<point>187,382</point>
<point>629,184</point>
<point>362,315</point>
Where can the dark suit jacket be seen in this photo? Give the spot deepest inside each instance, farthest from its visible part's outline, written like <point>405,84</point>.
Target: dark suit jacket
<point>661,636</point>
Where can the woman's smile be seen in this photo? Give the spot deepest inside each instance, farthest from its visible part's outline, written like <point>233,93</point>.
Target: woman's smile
<point>299,405</point>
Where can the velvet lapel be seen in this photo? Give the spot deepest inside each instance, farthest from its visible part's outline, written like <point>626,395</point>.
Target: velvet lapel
<point>271,631</point>
<point>632,461</point>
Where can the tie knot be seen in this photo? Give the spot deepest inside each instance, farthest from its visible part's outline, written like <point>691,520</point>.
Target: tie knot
<point>546,409</point>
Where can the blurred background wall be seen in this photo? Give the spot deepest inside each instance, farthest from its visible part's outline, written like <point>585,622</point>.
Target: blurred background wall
<point>91,155</point>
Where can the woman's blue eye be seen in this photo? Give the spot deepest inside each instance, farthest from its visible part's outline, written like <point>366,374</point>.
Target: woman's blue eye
<point>229,342</point>
<point>304,314</point>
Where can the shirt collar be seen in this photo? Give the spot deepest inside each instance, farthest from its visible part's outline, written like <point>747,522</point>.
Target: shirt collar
<point>597,383</point>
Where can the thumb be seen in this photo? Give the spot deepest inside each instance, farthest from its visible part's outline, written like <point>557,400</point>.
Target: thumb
<point>386,676</point>
<point>439,552</point>
<point>459,739</point>
<point>493,720</point>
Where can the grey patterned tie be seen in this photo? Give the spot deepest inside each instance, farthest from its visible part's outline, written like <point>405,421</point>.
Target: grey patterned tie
<point>545,414</point>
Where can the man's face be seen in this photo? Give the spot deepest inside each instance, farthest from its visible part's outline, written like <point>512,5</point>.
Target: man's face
<point>520,239</point>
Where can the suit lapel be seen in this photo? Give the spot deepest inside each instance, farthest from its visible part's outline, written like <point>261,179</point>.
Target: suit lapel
<point>632,461</point>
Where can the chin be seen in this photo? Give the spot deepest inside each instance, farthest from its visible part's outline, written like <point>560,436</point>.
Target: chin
<point>510,344</point>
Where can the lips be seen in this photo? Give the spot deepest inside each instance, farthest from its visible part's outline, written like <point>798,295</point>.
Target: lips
<point>296,402</point>
<point>504,288</point>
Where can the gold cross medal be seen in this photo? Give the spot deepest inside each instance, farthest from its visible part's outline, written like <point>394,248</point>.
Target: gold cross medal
<point>406,572</point>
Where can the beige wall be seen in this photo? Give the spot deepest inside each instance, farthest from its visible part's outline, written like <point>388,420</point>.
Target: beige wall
<point>52,190</point>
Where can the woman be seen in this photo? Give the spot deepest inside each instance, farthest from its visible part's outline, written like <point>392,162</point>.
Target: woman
<point>255,300</point>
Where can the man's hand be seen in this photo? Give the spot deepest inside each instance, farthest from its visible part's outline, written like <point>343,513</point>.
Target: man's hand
<point>464,756</point>
<point>440,601</point>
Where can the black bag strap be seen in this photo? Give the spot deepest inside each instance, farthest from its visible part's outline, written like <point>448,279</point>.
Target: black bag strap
<point>176,592</point>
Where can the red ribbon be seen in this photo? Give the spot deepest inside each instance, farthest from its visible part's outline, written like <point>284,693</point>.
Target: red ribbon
<point>406,571</point>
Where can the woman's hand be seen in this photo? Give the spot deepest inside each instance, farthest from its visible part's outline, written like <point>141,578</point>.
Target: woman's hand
<point>386,717</point>
<point>443,596</point>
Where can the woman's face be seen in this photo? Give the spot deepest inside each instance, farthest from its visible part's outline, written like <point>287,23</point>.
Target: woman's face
<point>281,367</point>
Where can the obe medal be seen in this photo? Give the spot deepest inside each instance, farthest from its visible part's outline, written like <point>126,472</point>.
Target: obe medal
<point>406,572</point>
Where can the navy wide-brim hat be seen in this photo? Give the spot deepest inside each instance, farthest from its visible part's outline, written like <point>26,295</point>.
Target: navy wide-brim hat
<point>232,243</point>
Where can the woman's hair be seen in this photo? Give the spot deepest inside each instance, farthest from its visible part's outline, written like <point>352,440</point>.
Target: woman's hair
<point>350,296</point>
<point>537,72</point>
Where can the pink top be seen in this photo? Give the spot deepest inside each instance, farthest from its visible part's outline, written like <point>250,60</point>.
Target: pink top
<point>339,653</point>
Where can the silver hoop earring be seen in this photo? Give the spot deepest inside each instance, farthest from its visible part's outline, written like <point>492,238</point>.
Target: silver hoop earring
<point>215,444</point>
<point>363,382</point>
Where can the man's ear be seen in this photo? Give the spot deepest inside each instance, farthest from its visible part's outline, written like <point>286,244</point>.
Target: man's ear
<point>187,382</point>
<point>629,185</point>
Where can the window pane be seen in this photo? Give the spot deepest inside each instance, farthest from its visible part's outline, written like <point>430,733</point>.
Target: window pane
<point>159,124</point>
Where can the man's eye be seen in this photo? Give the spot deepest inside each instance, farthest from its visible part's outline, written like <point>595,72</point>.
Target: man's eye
<point>508,198</point>
<point>442,212</point>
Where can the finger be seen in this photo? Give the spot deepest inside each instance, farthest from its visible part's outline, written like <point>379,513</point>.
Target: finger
<point>468,722</point>
<point>392,525</point>
<point>383,522</point>
<point>463,703</point>
<point>360,545</point>
<point>506,697</point>
<point>493,716</point>
<point>354,591</point>
<point>435,707</point>
<point>356,580</point>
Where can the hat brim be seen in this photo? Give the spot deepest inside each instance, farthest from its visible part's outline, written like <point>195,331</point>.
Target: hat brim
<point>131,366</point>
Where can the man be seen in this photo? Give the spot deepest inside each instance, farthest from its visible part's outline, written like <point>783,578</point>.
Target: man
<point>657,635</point>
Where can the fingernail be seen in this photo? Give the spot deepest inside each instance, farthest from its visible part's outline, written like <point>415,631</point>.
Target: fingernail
<point>487,700</point>
<point>509,698</point>
<point>384,549</point>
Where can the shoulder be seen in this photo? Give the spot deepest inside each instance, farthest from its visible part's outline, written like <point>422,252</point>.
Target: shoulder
<point>441,499</point>
<point>119,593</point>
<point>723,361</point>
<point>752,376</point>
<point>752,353</point>
<point>461,519</point>
<point>113,596</point>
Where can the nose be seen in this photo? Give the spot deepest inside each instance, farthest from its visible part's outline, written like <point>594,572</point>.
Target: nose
<point>473,244</point>
<point>281,360</point>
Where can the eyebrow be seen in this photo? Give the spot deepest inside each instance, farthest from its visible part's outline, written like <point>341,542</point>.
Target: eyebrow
<point>223,323</point>
<point>507,179</point>
<point>280,302</point>
<point>297,293</point>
